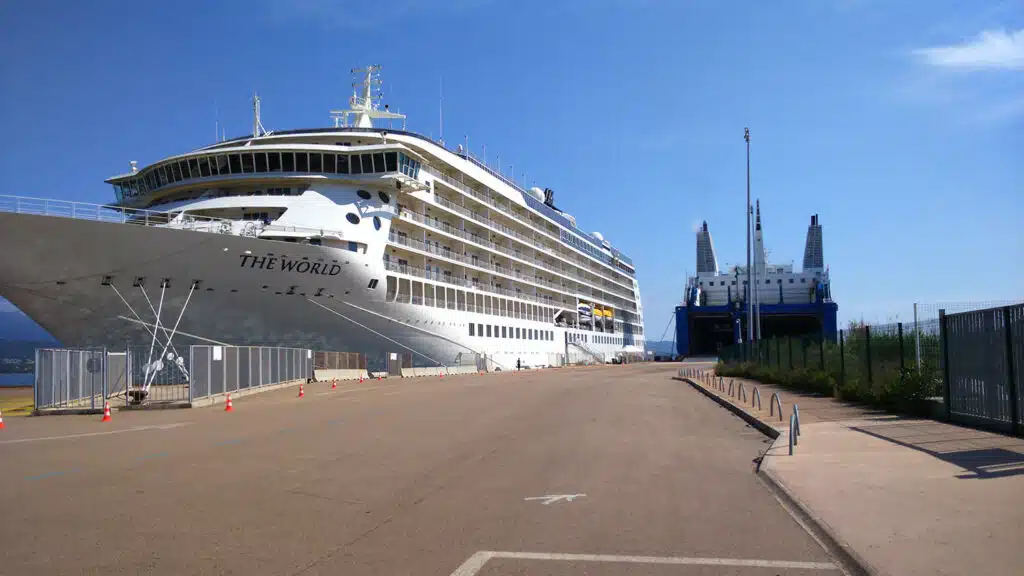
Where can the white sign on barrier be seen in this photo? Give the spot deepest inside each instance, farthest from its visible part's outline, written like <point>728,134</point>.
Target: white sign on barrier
<point>217,351</point>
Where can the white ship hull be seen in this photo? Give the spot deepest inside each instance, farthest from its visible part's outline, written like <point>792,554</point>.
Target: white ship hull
<point>54,269</point>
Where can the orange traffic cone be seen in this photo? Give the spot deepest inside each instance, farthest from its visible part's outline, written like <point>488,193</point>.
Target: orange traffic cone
<point>1,420</point>
<point>442,375</point>
<point>379,378</point>
<point>334,384</point>
<point>227,406</point>
<point>360,379</point>
<point>106,412</point>
<point>302,391</point>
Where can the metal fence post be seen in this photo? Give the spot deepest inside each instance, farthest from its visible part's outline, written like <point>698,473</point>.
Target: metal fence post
<point>1010,373</point>
<point>842,360</point>
<point>867,348</point>
<point>944,342</point>
<point>917,340</point>
<point>899,330</point>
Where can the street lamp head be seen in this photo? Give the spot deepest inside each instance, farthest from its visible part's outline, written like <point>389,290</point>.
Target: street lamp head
<point>746,134</point>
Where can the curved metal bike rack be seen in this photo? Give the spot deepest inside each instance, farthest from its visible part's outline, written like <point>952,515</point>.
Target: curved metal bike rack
<point>796,414</point>
<point>755,395</point>
<point>741,392</point>
<point>792,432</point>
<point>771,405</point>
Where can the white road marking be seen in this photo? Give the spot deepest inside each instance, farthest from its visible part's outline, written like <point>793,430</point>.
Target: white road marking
<point>87,434</point>
<point>476,562</point>
<point>551,498</point>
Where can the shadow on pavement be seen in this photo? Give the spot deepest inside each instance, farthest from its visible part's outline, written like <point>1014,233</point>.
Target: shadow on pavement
<point>983,455</point>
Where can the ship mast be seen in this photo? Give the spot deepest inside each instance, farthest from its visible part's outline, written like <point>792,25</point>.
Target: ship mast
<point>364,103</point>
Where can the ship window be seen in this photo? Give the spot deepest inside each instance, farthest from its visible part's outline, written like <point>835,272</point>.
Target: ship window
<point>451,294</point>
<point>803,280</point>
<point>767,281</point>
<point>488,330</point>
<point>363,194</point>
<point>517,334</point>
<point>367,161</point>
<point>392,289</point>
<point>222,164</point>
<point>355,165</point>
<point>352,218</point>
<point>790,280</point>
<point>376,222</point>
<point>204,166</point>
<point>330,166</point>
<point>384,197</point>
<point>403,290</point>
<point>173,172</point>
<point>235,163</point>
<point>302,162</point>
<point>261,161</point>
<point>287,162</point>
<point>373,284</point>
<point>316,162</point>
<point>504,332</point>
<point>391,161</point>
<point>193,167</point>
<point>273,162</point>
<point>780,280</point>
<point>342,163</point>
<point>378,162</point>
<point>183,166</point>
<point>472,332</point>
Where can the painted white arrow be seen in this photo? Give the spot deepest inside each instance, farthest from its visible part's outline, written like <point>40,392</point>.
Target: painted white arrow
<point>552,498</point>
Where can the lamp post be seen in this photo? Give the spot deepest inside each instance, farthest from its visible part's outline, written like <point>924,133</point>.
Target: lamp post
<point>750,286</point>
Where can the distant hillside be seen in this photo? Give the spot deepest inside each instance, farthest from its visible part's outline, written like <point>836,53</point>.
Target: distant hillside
<point>15,325</point>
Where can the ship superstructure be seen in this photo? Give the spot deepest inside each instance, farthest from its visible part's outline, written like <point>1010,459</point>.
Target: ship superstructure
<point>355,237</point>
<point>791,303</point>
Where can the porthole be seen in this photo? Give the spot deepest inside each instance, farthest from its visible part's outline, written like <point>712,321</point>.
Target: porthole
<point>363,194</point>
<point>384,197</point>
<point>376,222</point>
<point>352,218</point>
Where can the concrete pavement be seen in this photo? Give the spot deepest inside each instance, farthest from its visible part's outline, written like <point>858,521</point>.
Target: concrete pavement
<point>466,475</point>
<point>902,495</point>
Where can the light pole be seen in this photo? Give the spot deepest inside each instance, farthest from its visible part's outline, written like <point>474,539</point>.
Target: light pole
<point>750,287</point>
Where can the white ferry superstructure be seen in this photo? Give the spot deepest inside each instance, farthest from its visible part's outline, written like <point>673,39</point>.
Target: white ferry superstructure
<point>352,238</point>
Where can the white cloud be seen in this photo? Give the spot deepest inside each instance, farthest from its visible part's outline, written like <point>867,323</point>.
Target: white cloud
<point>992,49</point>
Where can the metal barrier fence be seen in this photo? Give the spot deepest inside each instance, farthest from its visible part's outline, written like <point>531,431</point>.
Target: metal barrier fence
<point>220,369</point>
<point>984,352</point>
<point>155,379</point>
<point>339,361</point>
<point>68,378</point>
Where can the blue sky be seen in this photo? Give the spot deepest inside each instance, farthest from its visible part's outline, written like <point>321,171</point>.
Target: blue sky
<point>898,122</point>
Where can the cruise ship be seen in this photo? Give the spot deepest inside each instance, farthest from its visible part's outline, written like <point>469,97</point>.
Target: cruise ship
<point>359,237</point>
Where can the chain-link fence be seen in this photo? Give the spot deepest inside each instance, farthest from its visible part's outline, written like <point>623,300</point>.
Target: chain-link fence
<point>70,378</point>
<point>221,369</point>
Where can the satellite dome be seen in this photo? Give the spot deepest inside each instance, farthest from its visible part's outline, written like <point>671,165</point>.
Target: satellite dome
<point>537,193</point>
<point>598,235</point>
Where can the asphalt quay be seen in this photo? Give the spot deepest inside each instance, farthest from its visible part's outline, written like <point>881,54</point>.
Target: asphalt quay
<point>594,470</point>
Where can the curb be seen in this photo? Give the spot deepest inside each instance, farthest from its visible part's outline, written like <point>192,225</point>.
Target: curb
<point>765,429</point>
<point>848,559</point>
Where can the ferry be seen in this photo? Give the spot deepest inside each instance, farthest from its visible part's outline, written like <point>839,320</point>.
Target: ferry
<point>359,237</point>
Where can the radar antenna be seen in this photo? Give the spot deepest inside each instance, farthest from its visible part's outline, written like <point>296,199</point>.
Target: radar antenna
<point>364,103</point>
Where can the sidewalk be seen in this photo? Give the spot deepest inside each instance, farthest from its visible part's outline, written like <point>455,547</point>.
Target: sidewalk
<point>901,495</point>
